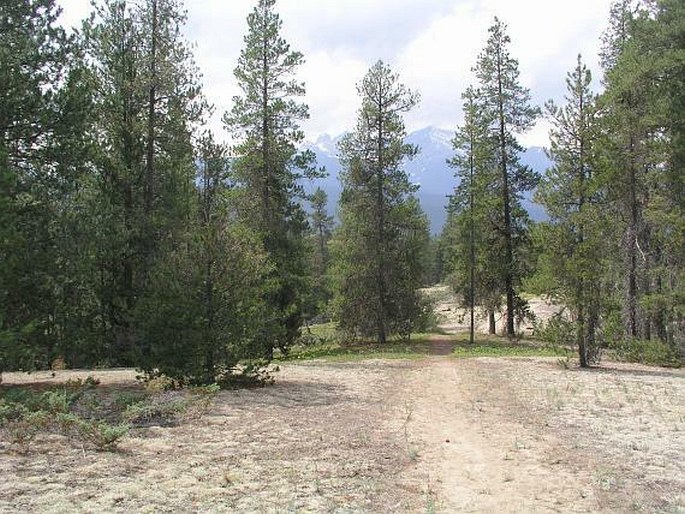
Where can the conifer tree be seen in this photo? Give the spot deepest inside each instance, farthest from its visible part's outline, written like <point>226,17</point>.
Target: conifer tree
<point>508,106</point>
<point>642,148</point>
<point>473,263</point>
<point>41,130</point>
<point>321,230</point>
<point>268,166</point>
<point>383,230</point>
<point>148,104</point>
<point>574,237</point>
<point>202,314</point>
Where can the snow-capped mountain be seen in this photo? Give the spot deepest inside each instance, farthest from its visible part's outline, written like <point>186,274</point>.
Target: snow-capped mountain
<point>429,169</point>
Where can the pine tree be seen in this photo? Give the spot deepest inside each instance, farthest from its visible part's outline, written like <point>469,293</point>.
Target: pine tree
<point>321,230</point>
<point>383,230</point>
<point>626,150</point>
<point>147,106</point>
<point>643,151</point>
<point>41,111</point>
<point>268,166</point>
<point>571,195</point>
<point>473,264</point>
<point>202,315</point>
<point>507,104</point>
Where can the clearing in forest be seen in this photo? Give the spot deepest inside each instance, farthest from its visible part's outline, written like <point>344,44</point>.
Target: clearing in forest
<point>436,434</point>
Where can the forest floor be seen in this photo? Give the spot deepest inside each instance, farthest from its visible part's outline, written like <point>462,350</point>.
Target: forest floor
<point>435,434</point>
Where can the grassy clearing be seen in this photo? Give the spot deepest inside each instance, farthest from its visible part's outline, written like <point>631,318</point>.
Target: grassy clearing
<point>493,346</point>
<point>504,350</point>
<point>324,341</point>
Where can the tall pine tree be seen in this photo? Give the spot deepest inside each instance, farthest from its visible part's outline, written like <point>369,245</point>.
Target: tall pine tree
<point>268,165</point>
<point>42,158</point>
<point>509,108</point>
<point>642,147</point>
<point>383,230</point>
<point>148,104</point>
<point>574,239</point>
<point>473,251</point>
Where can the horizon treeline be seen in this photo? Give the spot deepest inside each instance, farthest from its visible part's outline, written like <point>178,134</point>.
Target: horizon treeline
<point>130,237</point>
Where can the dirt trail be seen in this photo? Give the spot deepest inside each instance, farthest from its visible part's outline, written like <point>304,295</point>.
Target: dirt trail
<point>479,467</point>
<point>523,435</point>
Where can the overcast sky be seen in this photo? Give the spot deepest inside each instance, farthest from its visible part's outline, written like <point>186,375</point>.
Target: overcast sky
<point>433,44</point>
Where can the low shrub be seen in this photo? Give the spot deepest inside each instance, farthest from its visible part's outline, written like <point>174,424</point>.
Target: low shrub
<point>96,418</point>
<point>56,402</point>
<point>202,398</point>
<point>126,398</point>
<point>21,432</point>
<point>654,353</point>
<point>159,383</point>
<point>160,409</point>
<point>102,435</point>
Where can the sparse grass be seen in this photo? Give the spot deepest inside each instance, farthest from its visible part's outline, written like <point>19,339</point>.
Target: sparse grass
<point>338,352</point>
<point>327,331</point>
<point>412,453</point>
<point>431,507</point>
<point>605,479</point>
<point>87,414</point>
<point>492,346</point>
<point>330,438</point>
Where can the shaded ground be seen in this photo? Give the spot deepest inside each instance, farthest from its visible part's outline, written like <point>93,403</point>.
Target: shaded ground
<point>431,435</point>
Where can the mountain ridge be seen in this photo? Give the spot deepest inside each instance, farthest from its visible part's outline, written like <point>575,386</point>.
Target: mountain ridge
<point>429,170</point>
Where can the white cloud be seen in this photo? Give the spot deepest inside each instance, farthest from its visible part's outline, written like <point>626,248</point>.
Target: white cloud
<point>433,46</point>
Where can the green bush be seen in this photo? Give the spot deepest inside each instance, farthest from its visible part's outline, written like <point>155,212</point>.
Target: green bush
<point>77,384</point>
<point>161,409</point>
<point>557,330</point>
<point>10,411</point>
<point>126,398</point>
<point>655,353</point>
<point>56,401</point>
<point>102,435</point>
<point>23,427</point>
<point>563,333</point>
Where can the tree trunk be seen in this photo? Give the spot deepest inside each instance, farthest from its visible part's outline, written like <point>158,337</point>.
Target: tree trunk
<point>382,336</point>
<point>631,300</point>
<point>509,255</point>
<point>492,326</point>
<point>472,244</point>
<point>151,123</point>
<point>582,348</point>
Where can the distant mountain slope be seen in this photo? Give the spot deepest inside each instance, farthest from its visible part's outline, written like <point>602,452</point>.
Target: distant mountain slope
<point>429,170</point>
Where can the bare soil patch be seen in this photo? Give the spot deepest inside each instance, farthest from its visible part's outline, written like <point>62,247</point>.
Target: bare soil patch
<point>523,435</point>
<point>433,435</point>
<point>454,319</point>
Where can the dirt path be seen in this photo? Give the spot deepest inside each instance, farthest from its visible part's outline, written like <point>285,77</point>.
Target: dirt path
<point>434,435</point>
<point>480,467</point>
<point>522,435</point>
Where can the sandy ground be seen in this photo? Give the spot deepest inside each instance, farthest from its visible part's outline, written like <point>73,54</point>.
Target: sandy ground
<point>453,319</point>
<point>435,435</point>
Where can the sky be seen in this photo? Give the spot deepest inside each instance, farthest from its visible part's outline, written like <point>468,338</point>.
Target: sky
<point>432,44</point>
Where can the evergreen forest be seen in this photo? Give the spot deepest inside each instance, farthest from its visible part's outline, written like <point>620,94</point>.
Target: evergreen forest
<point>131,235</point>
